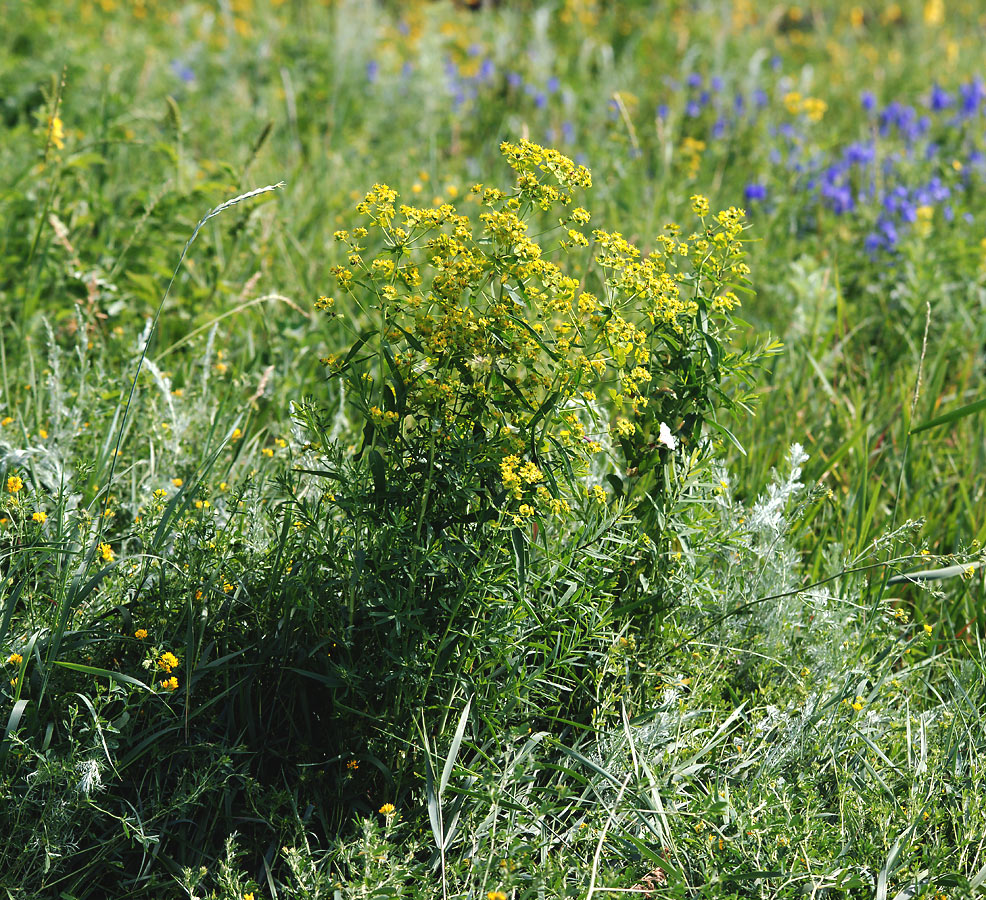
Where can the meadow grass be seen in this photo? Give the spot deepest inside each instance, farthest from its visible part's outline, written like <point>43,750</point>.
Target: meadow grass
<point>476,549</point>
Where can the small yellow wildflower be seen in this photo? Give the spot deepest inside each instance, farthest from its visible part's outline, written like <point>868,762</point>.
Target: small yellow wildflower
<point>56,132</point>
<point>792,101</point>
<point>700,205</point>
<point>40,517</point>
<point>177,482</point>
<point>6,420</point>
<point>106,553</point>
<point>236,435</point>
<point>159,493</point>
<point>167,662</point>
<point>267,451</point>
<point>624,427</point>
<point>934,12</point>
<point>43,434</point>
<point>14,484</point>
<point>496,895</point>
<point>928,629</point>
<point>387,809</point>
<point>352,765</point>
<point>815,108</point>
<point>140,634</point>
<point>170,684</point>
<point>15,659</point>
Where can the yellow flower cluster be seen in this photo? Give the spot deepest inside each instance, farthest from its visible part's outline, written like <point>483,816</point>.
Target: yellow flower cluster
<point>518,476</point>
<point>484,339</point>
<point>812,107</point>
<point>382,418</point>
<point>692,150</point>
<point>530,161</point>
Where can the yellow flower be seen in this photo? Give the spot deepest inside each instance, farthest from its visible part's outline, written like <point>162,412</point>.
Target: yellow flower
<point>387,809</point>
<point>14,484</point>
<point>6,420</point>
<point>792,101</point>
<point>352,765</point>
<point>927,629</point>
<point>934,12</point>
<point>168,661</point>
<point>43,434</point>
<point>106,552</point>
<point>15,659</point>
<point>248,896</point>
<point>56,131</point>
<point>171,684</point>
<point>40,517</point>
<point>496,895</point>
<point>140,634</point>
<point>177,482</point>
<point>815,108</point>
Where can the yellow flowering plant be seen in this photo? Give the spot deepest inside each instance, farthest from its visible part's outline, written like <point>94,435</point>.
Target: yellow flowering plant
<point>468,382</point>
<point>489,377</point>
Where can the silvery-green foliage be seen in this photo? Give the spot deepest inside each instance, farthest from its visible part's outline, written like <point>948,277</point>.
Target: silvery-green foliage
<point>763,576</point>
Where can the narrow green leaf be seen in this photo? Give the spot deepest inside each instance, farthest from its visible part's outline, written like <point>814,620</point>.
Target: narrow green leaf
<point>519,545</point>
<point>949,417</point>
<point>118,677</point>
<point>454,749</point>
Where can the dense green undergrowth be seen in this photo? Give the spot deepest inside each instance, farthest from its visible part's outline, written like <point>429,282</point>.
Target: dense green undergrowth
<point>456,537</point>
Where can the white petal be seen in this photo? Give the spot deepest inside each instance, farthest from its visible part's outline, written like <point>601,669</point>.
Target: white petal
<point>667,438</point>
